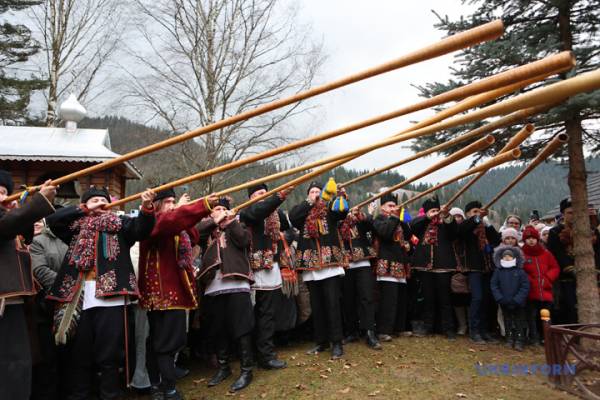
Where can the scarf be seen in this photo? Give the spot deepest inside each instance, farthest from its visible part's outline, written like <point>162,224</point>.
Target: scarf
<point>183,244</point>
<point>273,226</point>
<point>508,264</point>
<point>533,251</point>
<point>431,234</point>
<point>316,221</point>
<point>347,226</point>
<point>83,248</point>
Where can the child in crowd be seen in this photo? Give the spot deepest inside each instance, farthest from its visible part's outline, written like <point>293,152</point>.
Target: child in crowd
<point>510,287</point>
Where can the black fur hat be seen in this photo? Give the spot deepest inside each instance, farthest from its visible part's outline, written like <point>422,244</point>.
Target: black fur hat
<point>388,197</point>
<point>93,191</point>
<point>314,184</point>
<point>472,205</point>
<point>225,202</point>
<point>163,194</point>
<point>7,181</point>
<point>256,188</point>
<point>431,203</point>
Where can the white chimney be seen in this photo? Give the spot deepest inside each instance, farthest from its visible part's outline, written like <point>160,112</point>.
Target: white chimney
<point>71,111</point>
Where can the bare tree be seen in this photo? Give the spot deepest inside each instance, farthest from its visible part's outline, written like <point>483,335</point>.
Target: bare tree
<point>199,61</point>
<point>79,37</point>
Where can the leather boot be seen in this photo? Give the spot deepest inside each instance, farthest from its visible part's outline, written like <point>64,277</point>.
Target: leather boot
<point>372,340</point>
<point>224,371</point>
<point>509,338</point>
<point>246,364</point>
<point>337,351</point>
<point>519,340</point>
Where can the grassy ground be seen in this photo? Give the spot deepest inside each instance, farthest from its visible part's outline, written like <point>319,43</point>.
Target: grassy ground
<point>414,368</point>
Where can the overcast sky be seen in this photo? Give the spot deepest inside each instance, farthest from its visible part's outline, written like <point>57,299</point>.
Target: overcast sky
<point>361,34</point>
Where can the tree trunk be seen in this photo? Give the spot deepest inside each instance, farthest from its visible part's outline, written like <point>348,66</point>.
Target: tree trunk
<point>588,301</point>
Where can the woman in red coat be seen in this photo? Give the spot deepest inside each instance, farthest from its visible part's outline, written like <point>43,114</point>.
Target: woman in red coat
<point>542,270</point>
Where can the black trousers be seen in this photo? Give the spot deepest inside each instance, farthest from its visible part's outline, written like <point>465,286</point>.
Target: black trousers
<point>98,345</point>
<point>46,376</point>
<point>515,321</point>
<point>391,314</point>
<point>15,354</point>
<point>167,337</point>
<point>567,302</point>
<point>264,312</point>
<point>534,321</point>
<point>437,300</point>
<point>359,306</point>
<point>325,303</point>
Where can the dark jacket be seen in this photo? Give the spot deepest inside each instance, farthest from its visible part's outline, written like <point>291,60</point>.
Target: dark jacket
<point>510,286</point>
<point>476,258</point>
<point>164,283</point>
<point>562,250</point>
<point>16,276</point>
<point>358,242</point>
<point>113,277</point>
<point>441,254</point>
<point>324,251</point>
<point>263,250</point>
<point>47,254</point>
<point>393,259</point>
<point>226,249</point>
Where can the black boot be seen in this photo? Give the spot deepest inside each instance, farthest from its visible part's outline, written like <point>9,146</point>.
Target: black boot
<point>509,339</point>
<point>272,363</point>
<point>519,341</point>
<point>224,371</point>
<point>337,351</point>
<point>246,363</point>
<point>372,340</point>
<point>352,337</point>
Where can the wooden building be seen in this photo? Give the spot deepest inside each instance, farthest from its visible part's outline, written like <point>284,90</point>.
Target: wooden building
<point>36,154</point>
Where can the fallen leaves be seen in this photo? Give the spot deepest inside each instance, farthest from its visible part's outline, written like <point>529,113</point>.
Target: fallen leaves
<point>344,391</point>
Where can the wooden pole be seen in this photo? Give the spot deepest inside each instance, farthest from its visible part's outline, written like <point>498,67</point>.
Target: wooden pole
<point>546,152</point>
<point>513,143</point>
<point>489,31</point>
<point>459,155</point>
<point>552,93</point>
<point>491,163</point>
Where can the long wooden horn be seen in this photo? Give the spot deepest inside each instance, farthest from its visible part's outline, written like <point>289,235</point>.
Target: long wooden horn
<point>513,143</point>
<point>552,93</point>
<point>489,31</point>
<point>459,155</point>
<point>491,163</point>
<point>442,146</point>
<point>546,152</point>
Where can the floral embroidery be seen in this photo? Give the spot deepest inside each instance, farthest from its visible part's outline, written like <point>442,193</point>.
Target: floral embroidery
<point>67,286</point>
<point>394,269</point>
<point>309,258</point>
<point>106,283</point>
<point>261,259</point>
<point>133,282</point>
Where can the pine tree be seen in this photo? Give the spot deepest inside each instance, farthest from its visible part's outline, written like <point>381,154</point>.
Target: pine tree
<point>535,29</point>
<point>16,46</point>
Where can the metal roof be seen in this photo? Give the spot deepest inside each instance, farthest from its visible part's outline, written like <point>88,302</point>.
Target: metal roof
<point>593,190</point>
<point>23,143</point>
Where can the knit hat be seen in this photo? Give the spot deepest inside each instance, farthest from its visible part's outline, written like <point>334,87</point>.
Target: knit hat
<point>314,184</point>
<point>431,203</point>
<point>387,198</point>
<point>164,194</point>
<point>7,181</point>
<point>530,231</point>
<point>258,187</point>
<point>546,229</point>
<point>93,191</point>
<point>564,204</point>
<point>457,211</point>
<point>510,232</point>
<point>472,205</point>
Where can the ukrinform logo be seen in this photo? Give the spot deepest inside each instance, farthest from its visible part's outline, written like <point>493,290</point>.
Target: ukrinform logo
<point>525,369</point>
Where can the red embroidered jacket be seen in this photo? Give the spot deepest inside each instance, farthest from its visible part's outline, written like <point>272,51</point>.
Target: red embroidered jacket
<point>163,283</point>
